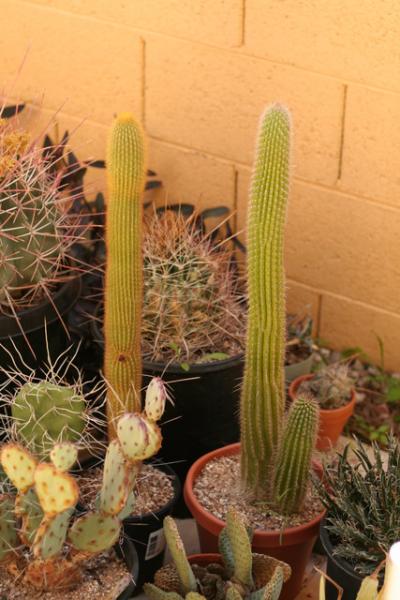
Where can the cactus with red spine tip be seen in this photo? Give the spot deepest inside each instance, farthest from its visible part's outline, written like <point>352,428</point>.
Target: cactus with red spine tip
<point>123,283</point>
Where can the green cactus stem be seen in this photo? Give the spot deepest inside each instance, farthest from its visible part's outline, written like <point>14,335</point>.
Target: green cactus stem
<point>262,399</point>
<point>94,532</point>
<point>123,284</point>
<point>175,545</point>
<point>44,413</point>
<point>293,462</point>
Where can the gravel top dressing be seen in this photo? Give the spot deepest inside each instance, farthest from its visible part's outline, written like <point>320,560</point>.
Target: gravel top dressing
<point>217,489</point>
<point>154,489</point>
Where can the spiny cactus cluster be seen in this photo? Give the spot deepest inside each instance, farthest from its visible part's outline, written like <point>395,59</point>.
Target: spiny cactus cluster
<point>42,412</point>
<point>36,232</point>
<point>263,392</point>
<point>332,386</point>
<point>41,516</point>
<point>240,575</point>
<point>123,283</point>
<point>191,298</point>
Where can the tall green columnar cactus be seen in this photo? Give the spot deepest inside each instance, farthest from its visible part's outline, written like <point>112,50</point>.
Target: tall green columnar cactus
<point>123,285</point>
<point>262,400</point>
<point>293,462</point>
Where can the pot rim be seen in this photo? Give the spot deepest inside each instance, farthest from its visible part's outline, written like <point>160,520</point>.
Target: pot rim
<point>286,535</point>
<point>323,411</point>
<point>44,308</point>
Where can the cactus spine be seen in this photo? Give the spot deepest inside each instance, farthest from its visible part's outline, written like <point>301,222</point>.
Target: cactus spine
<point>262,399</point>
<point>123,285</point>
<point>293,462</point>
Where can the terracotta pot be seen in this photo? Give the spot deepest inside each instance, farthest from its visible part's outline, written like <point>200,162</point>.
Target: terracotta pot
<point>292,545</point>
<point>331,422</point>
<point>204,559</point>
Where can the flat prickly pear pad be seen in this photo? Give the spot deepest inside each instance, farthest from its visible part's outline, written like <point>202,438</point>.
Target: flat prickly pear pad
<point>19,466</point>
<point>57,491</point>
<point>8,529</point>
<point>64,455</point>
<point>116,480</point>
<point>95,532</point>
<point>139,437</point>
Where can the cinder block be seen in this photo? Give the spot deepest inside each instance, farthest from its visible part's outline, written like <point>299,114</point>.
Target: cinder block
<point>371,158</point>
<point>352,40</point>
<point>87,140</point>
<point>303,300</point>
<point>191,176</point>
<point>211,99</point>
<point>344,245</point>
<point>90,69</point>
<point>216,22</point>
<point>346,324</point>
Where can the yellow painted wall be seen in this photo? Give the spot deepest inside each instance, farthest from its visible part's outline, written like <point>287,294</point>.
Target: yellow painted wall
<point>198,73</point>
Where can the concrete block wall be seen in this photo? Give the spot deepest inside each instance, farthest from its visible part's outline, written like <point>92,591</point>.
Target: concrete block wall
<point>198,73</point>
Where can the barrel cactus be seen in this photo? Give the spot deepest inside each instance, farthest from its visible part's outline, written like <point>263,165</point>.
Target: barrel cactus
<point>263,393</point>
<point>36,232</point>
<point>123,282</point>
<point>331,385</point>
<point>192,300</point>
<point>240,574</point>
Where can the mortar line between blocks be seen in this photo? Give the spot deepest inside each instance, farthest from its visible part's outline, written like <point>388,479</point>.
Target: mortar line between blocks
<point>342,130</point>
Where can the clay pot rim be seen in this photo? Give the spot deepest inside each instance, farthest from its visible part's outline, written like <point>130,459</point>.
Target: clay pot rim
<point>202,515</point>
<point>323,411</point>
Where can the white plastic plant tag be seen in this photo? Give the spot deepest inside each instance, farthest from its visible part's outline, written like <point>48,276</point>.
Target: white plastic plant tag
<point>155,544</point>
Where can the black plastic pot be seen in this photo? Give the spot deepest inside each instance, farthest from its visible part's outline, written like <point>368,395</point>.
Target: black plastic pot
<point>338,570</point>
<point>37,323</point>
<point>128,553</point>
<point>146,532</point>
<point>204,415</point>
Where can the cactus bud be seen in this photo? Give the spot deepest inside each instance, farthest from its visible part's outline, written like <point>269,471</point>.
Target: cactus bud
<point>156,395</point>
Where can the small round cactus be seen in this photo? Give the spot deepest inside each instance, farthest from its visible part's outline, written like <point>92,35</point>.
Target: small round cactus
<point>45,412</point>
<point>331,386</point>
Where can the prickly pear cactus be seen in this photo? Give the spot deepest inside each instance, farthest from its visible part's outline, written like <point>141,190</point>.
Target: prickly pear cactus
<point>117,483</point>
<point>139,437</point>
<point>64,455</point>
<point>8,528</point>
<point>44,413</point>
<point>19,466</point>
<point>241,576</point>
<point>95,532</point>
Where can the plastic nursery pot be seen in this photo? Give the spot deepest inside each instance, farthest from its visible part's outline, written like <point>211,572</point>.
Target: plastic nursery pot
<point>127,552</point>
<point>292,545</point>
<point>331,422</point>
<point>339,571</point>
<point>146,532</point>
<point>303,367</point>
<point>39,323</point>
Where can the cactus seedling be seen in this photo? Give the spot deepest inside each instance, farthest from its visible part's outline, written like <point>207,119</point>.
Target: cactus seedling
<point>241,574</point>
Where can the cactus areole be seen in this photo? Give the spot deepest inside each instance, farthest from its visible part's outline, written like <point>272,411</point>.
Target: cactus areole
<point>123,284</point>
